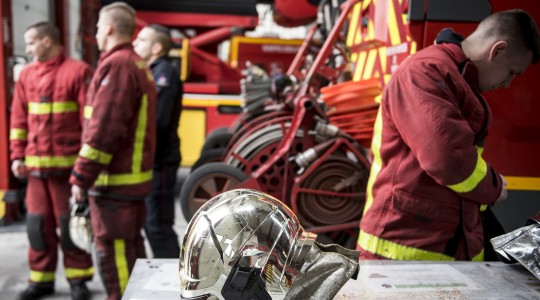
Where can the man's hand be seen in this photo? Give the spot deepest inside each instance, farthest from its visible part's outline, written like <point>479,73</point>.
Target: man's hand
<point>78,193</point>
<point>504,193</point>
<point>18,168</point>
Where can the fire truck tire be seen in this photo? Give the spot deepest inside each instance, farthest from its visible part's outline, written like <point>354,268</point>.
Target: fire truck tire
<point>208,156</point>
<point>217,131</point>
<point>207,181</point>
<point>217,140</point>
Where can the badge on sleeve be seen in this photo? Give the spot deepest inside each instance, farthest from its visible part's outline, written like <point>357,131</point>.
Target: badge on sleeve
<point>162,80</point>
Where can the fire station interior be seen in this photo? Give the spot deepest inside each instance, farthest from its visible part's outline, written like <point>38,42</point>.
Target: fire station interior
<point>282,98</point>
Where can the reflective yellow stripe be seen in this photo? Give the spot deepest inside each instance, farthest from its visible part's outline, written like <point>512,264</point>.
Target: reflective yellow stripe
<point>395,38</point>
<point>76,273</point>
<point>360,65</point>
<point>121,263</point>
<point>140,133</point>
<point>96,155</point>
<point>18,134</point>
<point>2,205</point>
<point>479,256</point>
<point>354,25</point>
<point>37,276</point>
<point>382,58</point>
<point>483,207</point>
<point>478,174</point>
<point>87,111</point>
<point>395,251</point>
<point>523,183</point>
<point>123,179</point>
<point>52,107</point>
<point>50,161</point>
<point>377,161</point>
<point>370,63</point>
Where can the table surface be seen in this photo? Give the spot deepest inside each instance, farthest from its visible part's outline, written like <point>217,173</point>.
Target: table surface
<point>158,279</point>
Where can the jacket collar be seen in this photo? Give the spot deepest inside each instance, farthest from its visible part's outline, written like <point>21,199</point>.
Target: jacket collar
<point>158,61</point>
<point>55,61</point>
<point>451,41</point>
<point>118,47</point>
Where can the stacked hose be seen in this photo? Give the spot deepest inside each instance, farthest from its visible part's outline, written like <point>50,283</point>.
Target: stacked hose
<point>352,107</point>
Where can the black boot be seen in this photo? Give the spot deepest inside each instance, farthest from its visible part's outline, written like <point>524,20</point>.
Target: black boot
<point>36,291</point>
<point>79,291</point>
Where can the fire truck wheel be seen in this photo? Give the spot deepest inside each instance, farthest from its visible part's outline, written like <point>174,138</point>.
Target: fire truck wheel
<point>217,131</point>
<point>208,156</point>
<point>217,140</point>
<point>206,182</point>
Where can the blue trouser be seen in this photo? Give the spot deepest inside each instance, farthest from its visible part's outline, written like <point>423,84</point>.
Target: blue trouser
<point>160,213</point>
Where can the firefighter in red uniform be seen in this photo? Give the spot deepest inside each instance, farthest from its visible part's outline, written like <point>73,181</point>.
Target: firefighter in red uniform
<point>44,140</point>
<point>429,182</point>
<point>117,154</point>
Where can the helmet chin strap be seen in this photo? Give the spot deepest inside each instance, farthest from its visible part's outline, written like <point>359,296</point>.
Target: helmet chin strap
<point>244,283</point>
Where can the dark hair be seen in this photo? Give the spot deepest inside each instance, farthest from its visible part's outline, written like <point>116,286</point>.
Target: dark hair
<point>122,15</point>
<point>44,29</point>
<point>517,27</point>
<point>162,36</point>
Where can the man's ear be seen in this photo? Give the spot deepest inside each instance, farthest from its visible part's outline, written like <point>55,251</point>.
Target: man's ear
<point>109,29</point>
<point>157,48</point>
<point>497,49</point>
<point>46,41</point>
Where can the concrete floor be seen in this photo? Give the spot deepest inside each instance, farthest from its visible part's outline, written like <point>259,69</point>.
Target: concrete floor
<point>14,264</point>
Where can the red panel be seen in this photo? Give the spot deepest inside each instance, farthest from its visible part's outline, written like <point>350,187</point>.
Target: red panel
<point>513,145</point>
<point>177,19</point>
<point>294,13</point>
<point>6,86</point>
<point>215,119</point>
<point>61,10</point>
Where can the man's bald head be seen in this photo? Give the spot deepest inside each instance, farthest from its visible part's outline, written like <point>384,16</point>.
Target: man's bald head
<point>121,16</point>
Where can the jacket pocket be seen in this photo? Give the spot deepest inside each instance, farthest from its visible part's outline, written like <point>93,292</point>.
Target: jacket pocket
<point>426,209</point>
<point>67,144</point>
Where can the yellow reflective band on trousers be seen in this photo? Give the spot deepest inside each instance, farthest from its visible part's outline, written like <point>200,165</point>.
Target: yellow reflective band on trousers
<point>52,107</point>
<point>478,174</point>
<point>50,161</point>
<point>72,273</point>
<point>38,276</point>
<point>18,134</point>
<point>96,155</point>
<point>377,161</point>
<point>479,256</point>
<point>140,132</point>
<point>87,111</point>
<point>396,251</point>
<point>121,264</point>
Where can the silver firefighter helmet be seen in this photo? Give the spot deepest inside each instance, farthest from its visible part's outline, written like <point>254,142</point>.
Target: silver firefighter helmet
<point>80,227</point>
<point>242,244</point>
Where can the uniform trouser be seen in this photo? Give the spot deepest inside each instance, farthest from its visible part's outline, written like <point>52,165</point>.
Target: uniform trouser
<point>47,201</point>
<point>160,213</point>
<point>117,229</point>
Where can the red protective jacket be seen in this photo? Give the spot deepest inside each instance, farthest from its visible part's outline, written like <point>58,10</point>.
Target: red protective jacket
<point>117,154</point>
<point>428,180</point>
<point>47,113</point>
